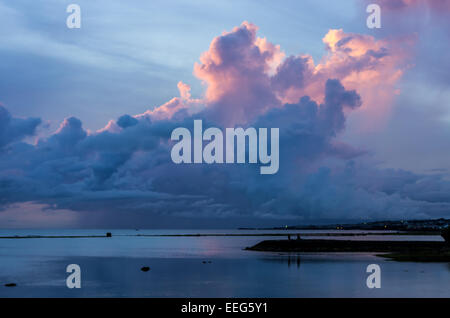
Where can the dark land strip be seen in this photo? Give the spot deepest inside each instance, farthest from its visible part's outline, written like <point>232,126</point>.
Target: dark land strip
<point>224,234</point>
<point>418,251</point>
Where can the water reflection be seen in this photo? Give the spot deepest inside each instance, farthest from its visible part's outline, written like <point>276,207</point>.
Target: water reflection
<point>290,260</point>
<point>111,267</point>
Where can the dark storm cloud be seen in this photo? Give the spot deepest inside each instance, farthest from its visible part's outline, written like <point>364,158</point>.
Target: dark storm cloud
<point>130,171</point>
<point>14,129</point>
<point>126,169</point>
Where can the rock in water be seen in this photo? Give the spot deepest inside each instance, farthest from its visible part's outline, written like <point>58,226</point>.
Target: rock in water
<point>145,269</point>
<point>446,235</point>
<point>10,285</point>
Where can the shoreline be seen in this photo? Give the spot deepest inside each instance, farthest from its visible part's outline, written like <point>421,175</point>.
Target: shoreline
<point>293,234</point>
<point>412,251</point>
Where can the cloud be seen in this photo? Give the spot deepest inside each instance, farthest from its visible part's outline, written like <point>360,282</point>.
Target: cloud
<point>15,129</point>
<point>312,127</point>
<point>371,67</point>
<point>236,71</point>
<point>395,5</point>
<point>30,215</point>
<point>246,75</point>
<point>125,167</point>
<point>183,104</point>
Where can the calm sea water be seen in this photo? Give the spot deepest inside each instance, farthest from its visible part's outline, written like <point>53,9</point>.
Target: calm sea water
<point>111,267</point>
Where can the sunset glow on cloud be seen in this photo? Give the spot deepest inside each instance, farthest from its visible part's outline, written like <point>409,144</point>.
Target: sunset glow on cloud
<point>241,79</point>
<point>438,5</point>
<point>246,75</point>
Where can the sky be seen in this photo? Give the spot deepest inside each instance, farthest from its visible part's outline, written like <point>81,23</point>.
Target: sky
<point>86,114</point>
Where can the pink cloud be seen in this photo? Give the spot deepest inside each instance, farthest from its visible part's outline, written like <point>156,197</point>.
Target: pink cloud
<point>236,72</point>
<point>245,75</point>
<point>37,215</point>
<point>176,104</point>
<point>185,91</point>
<point>436,5</point>
<point>369,66</point>
<point>111,127</point>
